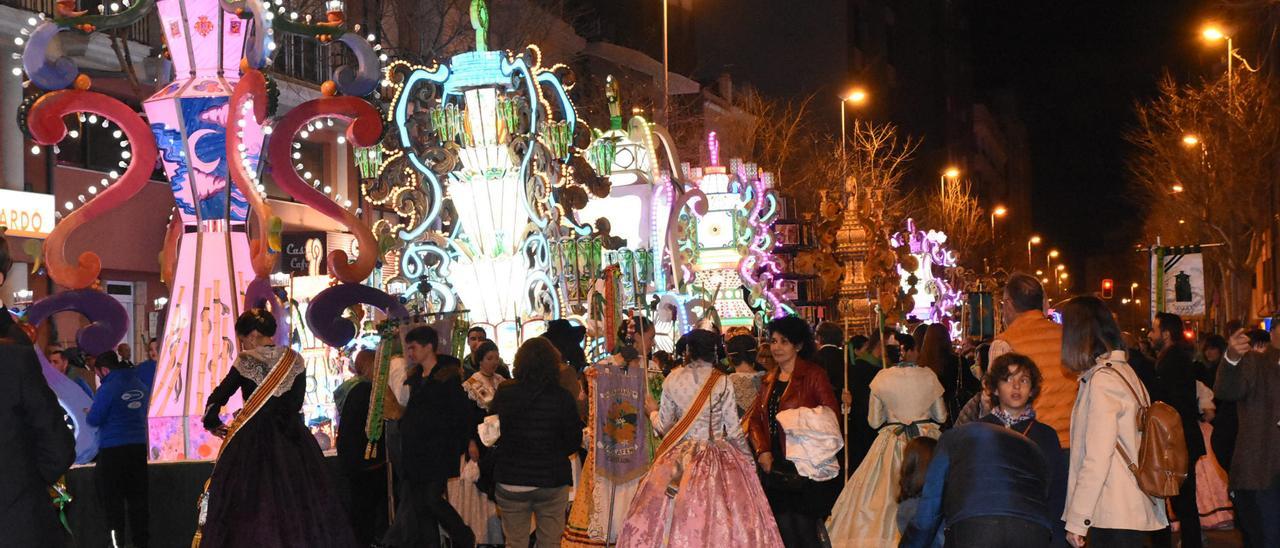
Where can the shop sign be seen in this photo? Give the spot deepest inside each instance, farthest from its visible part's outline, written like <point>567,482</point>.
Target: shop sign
<point>26,214</point>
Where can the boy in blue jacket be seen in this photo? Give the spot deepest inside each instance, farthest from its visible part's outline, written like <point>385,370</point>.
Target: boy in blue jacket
<point>120,413</point>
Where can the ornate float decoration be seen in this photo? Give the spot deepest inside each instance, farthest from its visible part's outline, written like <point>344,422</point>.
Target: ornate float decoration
<point>479,170</point>
<point>925,266</point>
<point>724,251</point>
<point>208,128</point>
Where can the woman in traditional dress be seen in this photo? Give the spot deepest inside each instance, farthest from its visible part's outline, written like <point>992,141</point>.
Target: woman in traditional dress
<point>702,489</point>
<point>472,504</point>
<point>747,373</point>
<point>798,502</point>
<point>600,504</point>
<point>270,486</point>
<point>906,402</point>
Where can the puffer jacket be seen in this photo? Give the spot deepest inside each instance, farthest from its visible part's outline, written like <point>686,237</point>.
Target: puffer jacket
<point>809,387</point>
<point>1037,337</point>
<point>540,429</point>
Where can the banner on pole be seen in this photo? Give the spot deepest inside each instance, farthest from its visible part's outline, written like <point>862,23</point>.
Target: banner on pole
<point>1178,273</point>
<point>621,425</point>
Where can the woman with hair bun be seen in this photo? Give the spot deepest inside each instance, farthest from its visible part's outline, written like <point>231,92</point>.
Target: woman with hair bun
<point>270,486</point>
<point>702,489</point>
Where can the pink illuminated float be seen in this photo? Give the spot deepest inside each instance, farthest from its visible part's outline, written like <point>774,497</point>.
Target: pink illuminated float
<point>927,268</point>
<point>722,250</point>
<point>207,127</point>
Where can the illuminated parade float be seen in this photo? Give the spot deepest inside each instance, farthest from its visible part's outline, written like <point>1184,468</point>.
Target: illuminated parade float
<point>925,268</point>
<point>207,127</point>
<point>481,157</point>
<point>728,249</point>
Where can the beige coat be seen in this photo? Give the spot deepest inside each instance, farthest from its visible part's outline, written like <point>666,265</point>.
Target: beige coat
<point>1101,490</point>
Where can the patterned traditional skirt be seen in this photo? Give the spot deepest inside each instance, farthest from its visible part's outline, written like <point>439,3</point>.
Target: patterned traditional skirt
<point>701,494</point>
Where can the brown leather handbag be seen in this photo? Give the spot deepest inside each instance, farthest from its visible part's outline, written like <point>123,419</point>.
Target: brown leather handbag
<point>1162,449</point>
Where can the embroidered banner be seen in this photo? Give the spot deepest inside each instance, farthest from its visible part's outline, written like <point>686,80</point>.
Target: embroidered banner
<point>621,424</point>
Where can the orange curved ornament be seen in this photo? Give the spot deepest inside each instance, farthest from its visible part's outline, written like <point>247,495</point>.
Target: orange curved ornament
<point>252,86</point>
<point>169,253</point>
<point>364,130</point>
<point>47,128</point>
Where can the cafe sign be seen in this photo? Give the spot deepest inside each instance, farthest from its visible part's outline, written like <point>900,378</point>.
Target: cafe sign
<point>26,214</point>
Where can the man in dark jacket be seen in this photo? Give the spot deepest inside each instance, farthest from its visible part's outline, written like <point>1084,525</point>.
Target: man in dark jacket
<point>366,477</point>
<point>1251,378</point>
<point>1175,384</point>
<point>435,429</point>
<point>120,413</point>
<point>831,357</point>
<point>36,445</point>
<point>988,482</point>
<point>857,398</point>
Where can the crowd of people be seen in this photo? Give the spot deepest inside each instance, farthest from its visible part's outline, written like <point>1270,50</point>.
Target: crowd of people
<point>797,436</point>
<point>1033,438</point>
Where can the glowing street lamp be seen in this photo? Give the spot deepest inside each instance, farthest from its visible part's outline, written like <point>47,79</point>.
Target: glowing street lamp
<point>857,97</point>
<point>1190,140</point>
<point>1035,240</point>
<point>953,173</point>
<point>999,211</point>
<point>1177,188</point>
<point>1213,33</point>
<point>1048,259</point>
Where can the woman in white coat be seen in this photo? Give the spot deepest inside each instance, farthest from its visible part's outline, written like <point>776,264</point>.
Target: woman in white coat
<point>1104,503</point>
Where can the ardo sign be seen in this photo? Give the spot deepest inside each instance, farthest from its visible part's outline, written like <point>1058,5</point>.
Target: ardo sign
<point>26,214</point>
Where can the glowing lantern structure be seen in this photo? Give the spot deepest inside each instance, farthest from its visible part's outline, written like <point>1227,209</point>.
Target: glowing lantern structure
<point>923,274</point>
<point>729,246</point>
<point>207,127</point>
<point>638,207</point>
<point>494,139</point>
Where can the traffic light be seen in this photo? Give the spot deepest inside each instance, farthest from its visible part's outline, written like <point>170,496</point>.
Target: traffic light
<point>1108,287</point>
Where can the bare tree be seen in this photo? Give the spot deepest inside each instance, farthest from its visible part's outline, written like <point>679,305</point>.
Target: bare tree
<point>956,211</point>
<point>1206,162</point>
<point>779,135</point>
<point>862,186</point>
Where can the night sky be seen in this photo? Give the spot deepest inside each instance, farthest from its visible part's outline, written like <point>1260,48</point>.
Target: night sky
<point>1075,67</point>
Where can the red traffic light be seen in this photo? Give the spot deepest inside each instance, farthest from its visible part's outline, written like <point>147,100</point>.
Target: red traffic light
<point>1108,287</point>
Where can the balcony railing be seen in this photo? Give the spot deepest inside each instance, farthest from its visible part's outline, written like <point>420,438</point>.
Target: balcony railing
<point>305,58</point>
<point>138,32</point>
<point>299,57</point>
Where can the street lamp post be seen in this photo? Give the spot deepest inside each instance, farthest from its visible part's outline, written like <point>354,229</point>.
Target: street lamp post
<point>666,65</point>
<point>999,211</point>
<point>952,173</point>
<point>1048,259</point>
<point>1035,240</point>
<point>857,96</point>
<point>1212,33</point>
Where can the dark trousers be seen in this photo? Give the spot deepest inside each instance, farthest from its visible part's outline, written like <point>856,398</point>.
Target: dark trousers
<point>997,532</point>
<point>1258,516</point>
<point>121,477</point>
<point>368,503</point>
<point>1188,512</point>
<point>432,512</point>
<point>1116,538</point>
<point>798,530</point>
